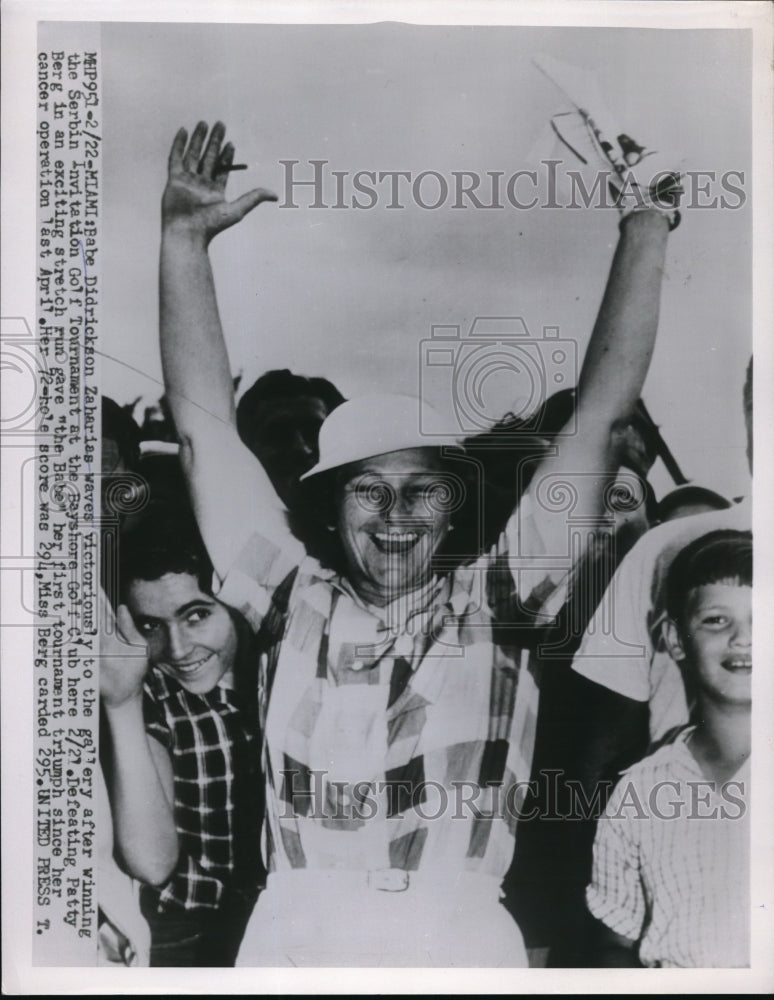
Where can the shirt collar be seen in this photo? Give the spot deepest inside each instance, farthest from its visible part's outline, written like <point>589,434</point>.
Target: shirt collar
<point>361,635</point>
<point>400,613</point>
<point>396,616</point>
<point>164,687</point>
<point>692,764</point>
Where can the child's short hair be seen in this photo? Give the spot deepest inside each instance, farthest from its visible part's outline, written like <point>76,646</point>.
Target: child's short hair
<point>717,557</point>
<point>165,540</point>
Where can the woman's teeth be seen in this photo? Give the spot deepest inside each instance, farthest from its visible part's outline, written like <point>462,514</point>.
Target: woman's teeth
<point>391,540</point>
<point>738,663</point>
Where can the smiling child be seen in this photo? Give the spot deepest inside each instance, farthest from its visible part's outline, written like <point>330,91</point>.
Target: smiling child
<point>670,884</point>
<point>192,712</point>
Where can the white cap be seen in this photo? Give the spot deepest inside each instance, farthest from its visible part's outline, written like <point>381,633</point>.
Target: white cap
<point>376,424</point>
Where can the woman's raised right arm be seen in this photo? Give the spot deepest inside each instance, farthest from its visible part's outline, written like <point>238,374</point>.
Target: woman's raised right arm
<point>229,489</point>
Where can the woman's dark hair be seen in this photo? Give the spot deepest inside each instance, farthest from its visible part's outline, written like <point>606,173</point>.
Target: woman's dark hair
<point>717,557</point>
<point>510,452</point>
<point>507,455</point>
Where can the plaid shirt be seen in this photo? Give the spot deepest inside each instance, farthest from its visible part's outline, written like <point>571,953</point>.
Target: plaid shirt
<point>397,738</point>
<point>672,862</point>
<point>213,747</point>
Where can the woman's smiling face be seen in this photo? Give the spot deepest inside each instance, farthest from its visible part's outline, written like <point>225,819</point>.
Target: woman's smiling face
<point>191,637</point>
<point>392,515</point>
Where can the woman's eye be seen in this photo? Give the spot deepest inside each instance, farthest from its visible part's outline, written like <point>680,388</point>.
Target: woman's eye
<point>373,495</point>
<point>197,616</point>
<point>715,620</point>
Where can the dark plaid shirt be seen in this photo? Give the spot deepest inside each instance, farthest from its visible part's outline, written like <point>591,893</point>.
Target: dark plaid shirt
<point>212,742</point>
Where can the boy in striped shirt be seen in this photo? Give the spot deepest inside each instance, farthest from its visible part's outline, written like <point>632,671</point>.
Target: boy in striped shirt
<point>670,880</point>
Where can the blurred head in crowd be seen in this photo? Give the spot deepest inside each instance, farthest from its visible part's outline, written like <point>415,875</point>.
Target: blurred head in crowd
<point>511,450</point>
<point>631,502</point>
<point>120,438</point>
<point>166,482</point>
<point>634,438</point>
<point>122,490</point>
<point>157,423</point>
<point>636,442</point>
<point>279,419</point>
<point>166,583</point>
<point>688,500</point>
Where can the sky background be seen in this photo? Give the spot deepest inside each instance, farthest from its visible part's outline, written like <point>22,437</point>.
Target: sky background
<point>352,294</point>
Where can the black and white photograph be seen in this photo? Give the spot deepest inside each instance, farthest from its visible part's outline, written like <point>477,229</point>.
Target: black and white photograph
<point>377,441</point>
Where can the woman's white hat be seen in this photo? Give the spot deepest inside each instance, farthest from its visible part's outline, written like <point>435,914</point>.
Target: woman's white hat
<point>376,424</point>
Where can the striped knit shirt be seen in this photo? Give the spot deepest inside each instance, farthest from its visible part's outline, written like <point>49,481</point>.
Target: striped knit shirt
<point>672,862</point>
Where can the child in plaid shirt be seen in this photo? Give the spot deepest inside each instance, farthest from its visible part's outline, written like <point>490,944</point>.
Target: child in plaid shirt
<point>183,735</point>
<point>670,882</point>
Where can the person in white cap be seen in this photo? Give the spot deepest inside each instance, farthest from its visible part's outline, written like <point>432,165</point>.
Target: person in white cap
<point>398,726</point>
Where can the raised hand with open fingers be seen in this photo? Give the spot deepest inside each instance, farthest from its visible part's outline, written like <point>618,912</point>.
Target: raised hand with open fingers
<point>195,196</point>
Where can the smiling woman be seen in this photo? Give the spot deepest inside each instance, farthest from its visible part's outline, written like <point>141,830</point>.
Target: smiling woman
<point>388,526</point>
<point>398,715</point>
<point>386,499</point>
